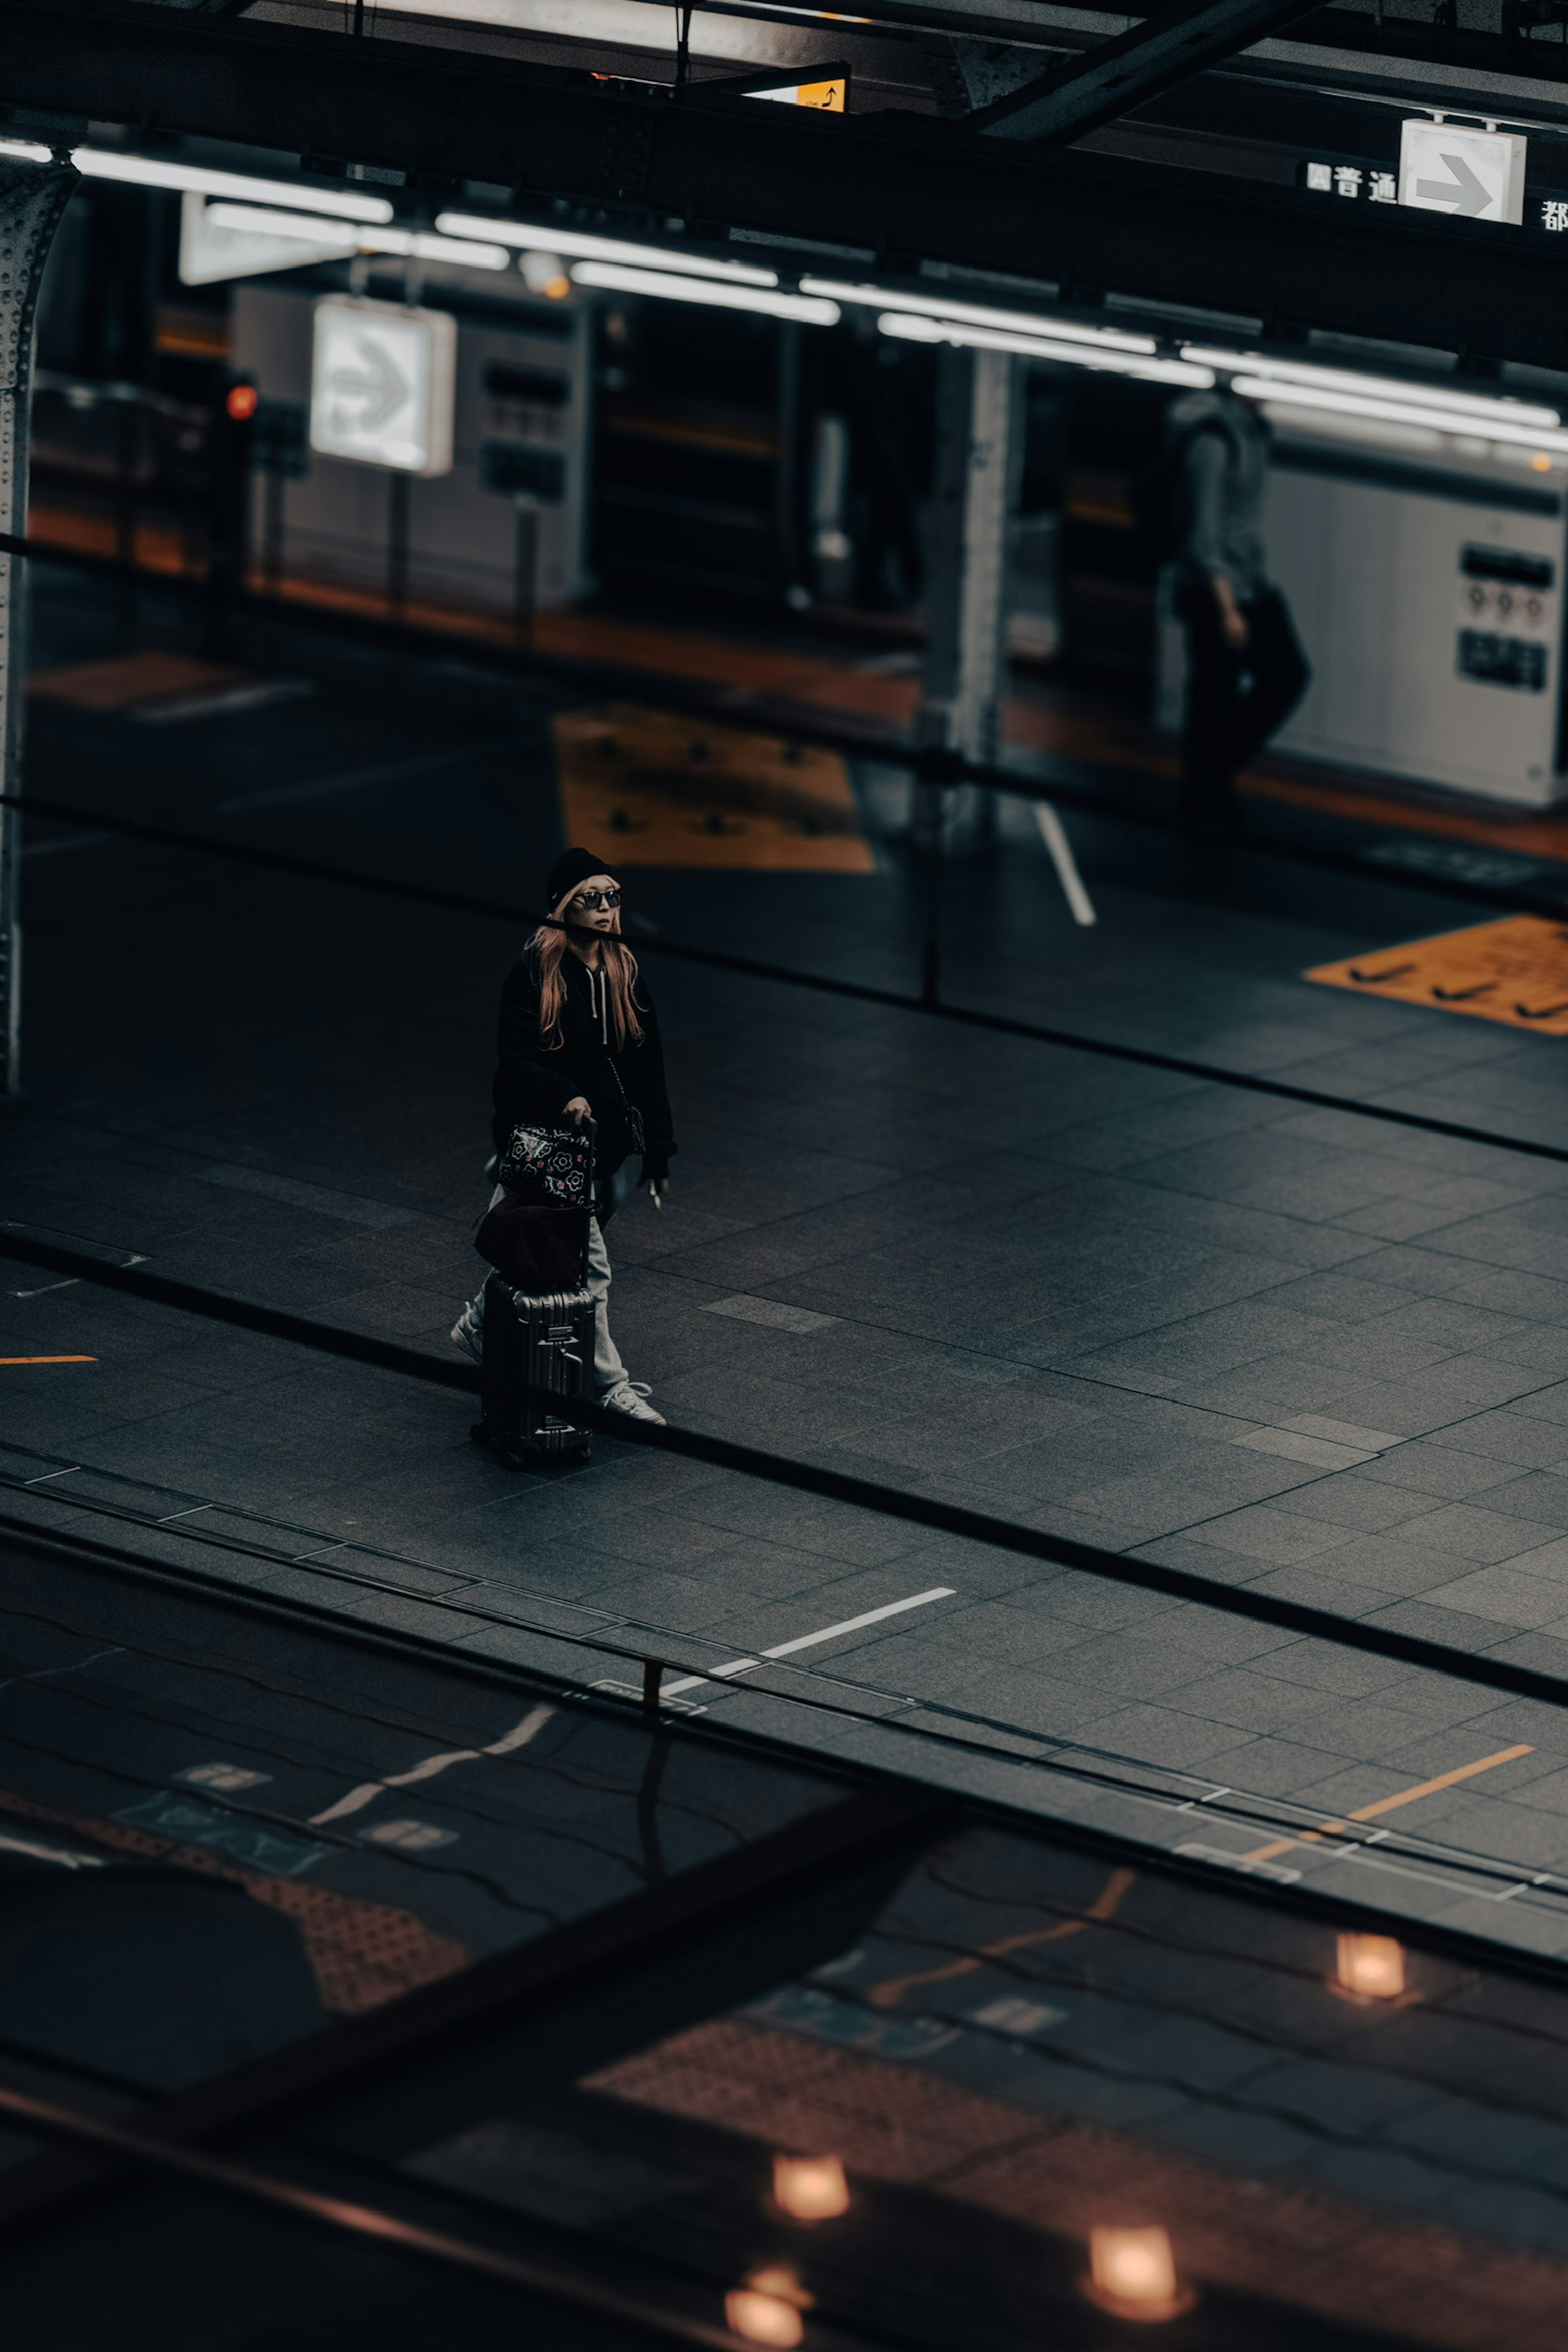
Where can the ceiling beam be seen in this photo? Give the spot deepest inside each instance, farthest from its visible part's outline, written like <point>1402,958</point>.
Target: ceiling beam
<point>1118,75</point>
<point>899,185</point>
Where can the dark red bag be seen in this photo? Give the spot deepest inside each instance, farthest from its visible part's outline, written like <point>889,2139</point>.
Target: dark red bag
<point>535,1246</point>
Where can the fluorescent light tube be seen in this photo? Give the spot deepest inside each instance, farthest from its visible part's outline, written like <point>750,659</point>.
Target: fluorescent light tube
<point>1420,396</point>
<point>576,242</point>
<point>1014,323</point>
<point>415,243</point>
<point>1397,412</point>
<point>1036,347</point>
<point>139,171</point>
<point>698,290</point>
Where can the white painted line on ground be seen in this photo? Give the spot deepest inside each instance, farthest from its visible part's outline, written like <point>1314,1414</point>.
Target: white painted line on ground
<point>391,772</point>
<point>1294,1445</point>
<point>353,1208</point>
<point>1060,852</point>
<point>368,1791</point>
<point>67,842</point>
<point>771,1311</point>
<point>806,1641</point>
<point>60,1854</point>
<point>1342,1432</point>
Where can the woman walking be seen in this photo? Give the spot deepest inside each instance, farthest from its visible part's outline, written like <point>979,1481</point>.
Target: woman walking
<point>578,1039</point>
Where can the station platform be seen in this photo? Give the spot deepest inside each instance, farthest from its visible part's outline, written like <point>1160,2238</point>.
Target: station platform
<point>1141,1242</point>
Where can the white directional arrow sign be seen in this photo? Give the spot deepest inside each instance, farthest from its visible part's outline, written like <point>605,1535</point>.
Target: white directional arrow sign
<point>371,395</point>
<point>381,384</point>
<point>1470,174</point>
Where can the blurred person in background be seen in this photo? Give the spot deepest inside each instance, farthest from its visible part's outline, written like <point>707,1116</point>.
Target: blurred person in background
<point>1246,669</point>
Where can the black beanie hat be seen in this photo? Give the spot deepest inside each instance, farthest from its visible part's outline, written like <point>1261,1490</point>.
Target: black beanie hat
<point>571,869</point>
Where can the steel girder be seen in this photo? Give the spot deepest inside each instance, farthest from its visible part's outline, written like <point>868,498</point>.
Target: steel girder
<point>1117,75</point>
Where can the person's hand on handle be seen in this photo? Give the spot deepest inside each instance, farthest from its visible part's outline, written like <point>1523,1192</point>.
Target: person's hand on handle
<point>578,1110</point>
<point>1232,619</point>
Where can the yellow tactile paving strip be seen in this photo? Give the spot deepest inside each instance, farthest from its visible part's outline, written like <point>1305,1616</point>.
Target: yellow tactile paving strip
<point>648,788</point>
<point>1513,971</point>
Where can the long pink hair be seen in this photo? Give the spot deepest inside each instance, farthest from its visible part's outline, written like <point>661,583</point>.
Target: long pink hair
<point>619,966</point>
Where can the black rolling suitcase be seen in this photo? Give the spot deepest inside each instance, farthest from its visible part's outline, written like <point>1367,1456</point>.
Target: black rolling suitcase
<point>539,1317</point>
<point>546,1343</point>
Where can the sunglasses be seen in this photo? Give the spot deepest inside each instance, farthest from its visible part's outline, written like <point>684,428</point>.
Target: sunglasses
<point>591,899</point>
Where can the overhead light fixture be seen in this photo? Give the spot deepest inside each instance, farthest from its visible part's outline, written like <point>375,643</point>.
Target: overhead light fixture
<point>143,172</point>
<point>1398,412</point>
<point>810,2187</point>
<point>1036,347</point>
<point>975,314</point>
<point>1470,404</point>
<point>1133,2273</point>
<point>577,245</point>
<point>544,273</point>
<point>698,290</point>
<point>413,244</point>
<point>1368,1968</point>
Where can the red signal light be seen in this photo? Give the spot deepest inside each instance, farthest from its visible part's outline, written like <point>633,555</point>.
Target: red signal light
<point>241,402</point>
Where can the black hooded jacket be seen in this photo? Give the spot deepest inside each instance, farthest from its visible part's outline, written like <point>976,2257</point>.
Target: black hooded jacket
<point>535,1082</point>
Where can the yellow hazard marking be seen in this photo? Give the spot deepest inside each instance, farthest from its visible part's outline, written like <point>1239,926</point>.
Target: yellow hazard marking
<point>1106,1904</point>
<point>48,1360</point>
<point>1391,1804</point>
<point>648,788</point>
<point>1514,970</point>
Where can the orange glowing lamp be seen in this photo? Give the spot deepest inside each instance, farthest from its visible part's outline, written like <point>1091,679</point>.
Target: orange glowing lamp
<point>1369,1967</point>
<point>767,2308</point>
<point>810,2187</point>
<point>242,402</point>
<point>1133,2273</point>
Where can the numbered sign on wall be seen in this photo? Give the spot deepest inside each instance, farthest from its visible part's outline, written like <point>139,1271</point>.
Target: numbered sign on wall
<point>382,384</point>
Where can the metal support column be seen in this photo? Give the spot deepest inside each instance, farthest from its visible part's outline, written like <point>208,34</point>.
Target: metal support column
<point>31,198</point>
<point>979,475</point>
<point>977,403</point>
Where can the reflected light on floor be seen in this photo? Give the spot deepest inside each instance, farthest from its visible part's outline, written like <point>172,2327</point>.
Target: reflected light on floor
<point>1133,2273</point>
<point>1369,1967</point>
<point>767,2309</point>
<point>810,2187</point>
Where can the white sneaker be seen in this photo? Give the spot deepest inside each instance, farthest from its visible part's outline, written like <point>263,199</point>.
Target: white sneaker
<point>469,1335</point>
<point>629,1398</point>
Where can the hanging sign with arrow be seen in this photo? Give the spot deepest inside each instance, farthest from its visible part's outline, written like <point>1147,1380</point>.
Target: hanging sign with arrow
<point>1470,174</point>
<point>381,384</point>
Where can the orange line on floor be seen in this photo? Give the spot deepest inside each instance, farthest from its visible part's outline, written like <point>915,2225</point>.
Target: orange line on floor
<point>1105,1905</point>
<point>157,547</point>
<point>48,1360</point>
<point>1391,1804</point>
<point>1543,835</point>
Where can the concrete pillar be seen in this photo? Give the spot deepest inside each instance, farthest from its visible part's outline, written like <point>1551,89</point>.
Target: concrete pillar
<point>979,453</point>
<point>31,198</point>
